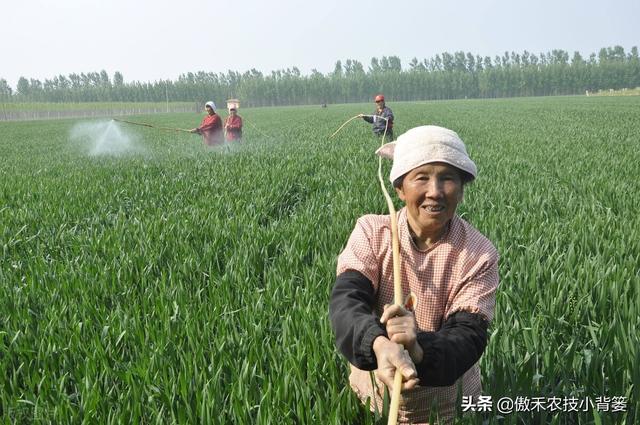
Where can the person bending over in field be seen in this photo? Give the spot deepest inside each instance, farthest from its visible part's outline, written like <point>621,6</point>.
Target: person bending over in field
<point>382,119</point>
<point>449,268</point>
<point>211,126</point>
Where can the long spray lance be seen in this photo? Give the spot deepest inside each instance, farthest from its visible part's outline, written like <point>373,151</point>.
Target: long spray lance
<point>361,116</point>
<point>345,123</point>
<point>224,126</point>
<point>152,126</point>
<point>397,283</point>
<point>257,129</point>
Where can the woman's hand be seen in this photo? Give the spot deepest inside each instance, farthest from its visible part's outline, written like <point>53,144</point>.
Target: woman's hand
<point>391,356</point>
<point>402,329</point>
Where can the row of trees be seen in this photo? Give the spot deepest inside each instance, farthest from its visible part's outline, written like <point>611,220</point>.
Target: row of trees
<point>444,76</point>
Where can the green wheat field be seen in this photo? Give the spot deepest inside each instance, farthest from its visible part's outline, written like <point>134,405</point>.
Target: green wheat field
<point>171,283</point>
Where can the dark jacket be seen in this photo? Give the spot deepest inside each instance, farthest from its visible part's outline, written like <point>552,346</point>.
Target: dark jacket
<point>380,124</point>
<point>448,353</point>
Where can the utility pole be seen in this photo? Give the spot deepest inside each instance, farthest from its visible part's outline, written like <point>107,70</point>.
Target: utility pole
<point>166,93</point>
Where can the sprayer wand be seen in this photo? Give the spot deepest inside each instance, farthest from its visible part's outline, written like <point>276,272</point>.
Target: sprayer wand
<point>395,250</point>
<point>361,116</point>
<point>152,126</point>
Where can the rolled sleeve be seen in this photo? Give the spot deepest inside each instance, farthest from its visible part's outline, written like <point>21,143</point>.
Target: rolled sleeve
<point>359,254</point>
<point>477,292</point>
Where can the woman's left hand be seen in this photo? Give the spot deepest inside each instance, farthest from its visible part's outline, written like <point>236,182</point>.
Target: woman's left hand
<point>402,329</point>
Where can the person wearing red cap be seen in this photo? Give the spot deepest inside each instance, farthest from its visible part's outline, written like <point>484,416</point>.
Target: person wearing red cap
<point>382,119</point>
<point>211,126</point>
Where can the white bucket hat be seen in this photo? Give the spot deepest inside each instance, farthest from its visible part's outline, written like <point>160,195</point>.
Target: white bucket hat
<point>210,103</point>
<point>424,145</point>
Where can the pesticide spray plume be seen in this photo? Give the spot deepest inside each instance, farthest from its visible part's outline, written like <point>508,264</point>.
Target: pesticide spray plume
<point>103,138</point>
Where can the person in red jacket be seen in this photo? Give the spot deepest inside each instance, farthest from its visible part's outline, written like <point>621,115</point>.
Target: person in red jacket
<point>211,126</point>
<point>233,126</point>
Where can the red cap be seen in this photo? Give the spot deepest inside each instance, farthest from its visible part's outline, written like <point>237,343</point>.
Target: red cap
<point>379,98</point>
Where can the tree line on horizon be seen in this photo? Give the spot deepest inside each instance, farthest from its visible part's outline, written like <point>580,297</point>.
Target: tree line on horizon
<point>444,76</point>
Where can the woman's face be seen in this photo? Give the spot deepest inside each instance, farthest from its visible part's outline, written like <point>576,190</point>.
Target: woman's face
<point>432,193</point>
<point>209,109</point>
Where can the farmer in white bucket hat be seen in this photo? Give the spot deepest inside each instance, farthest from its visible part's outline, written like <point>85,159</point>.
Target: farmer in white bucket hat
<point>211,126</point>
<point>447,265</point>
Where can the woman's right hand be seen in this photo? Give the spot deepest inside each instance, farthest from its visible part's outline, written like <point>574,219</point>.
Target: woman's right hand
<point>402,329</point>
<point>392,356</point>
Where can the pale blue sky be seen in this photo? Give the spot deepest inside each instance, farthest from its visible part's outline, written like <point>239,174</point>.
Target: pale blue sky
<point>151,40</point>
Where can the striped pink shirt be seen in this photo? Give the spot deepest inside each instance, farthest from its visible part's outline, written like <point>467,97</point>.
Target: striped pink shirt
<point>458,273</point>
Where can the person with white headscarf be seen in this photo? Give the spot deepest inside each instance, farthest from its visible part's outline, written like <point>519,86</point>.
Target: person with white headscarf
<point>447,266</point>
<point>211,126</point>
